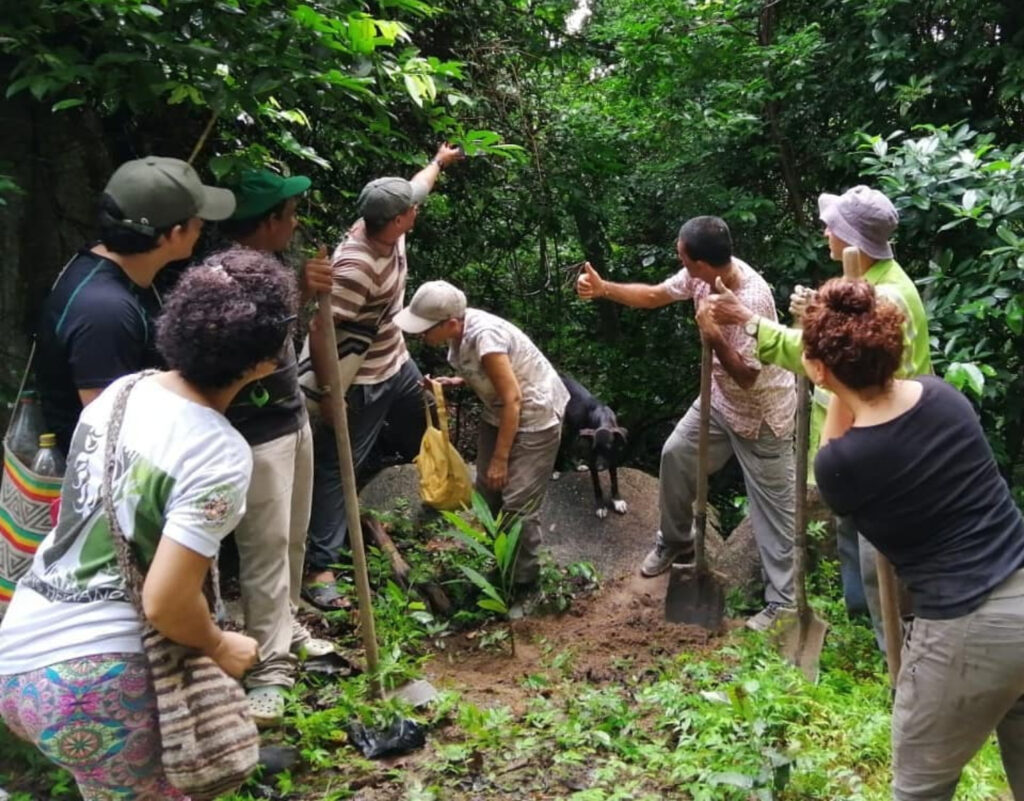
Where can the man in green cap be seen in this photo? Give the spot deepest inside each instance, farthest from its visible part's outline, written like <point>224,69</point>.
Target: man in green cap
<point>271,415</point>
<point>385,399</point>
<point>96,323</point>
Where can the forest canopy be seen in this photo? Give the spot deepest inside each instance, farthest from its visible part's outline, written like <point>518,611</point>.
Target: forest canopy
<point>593,131</point>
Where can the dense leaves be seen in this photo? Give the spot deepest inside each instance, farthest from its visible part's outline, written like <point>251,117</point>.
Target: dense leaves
<point>594,129</point>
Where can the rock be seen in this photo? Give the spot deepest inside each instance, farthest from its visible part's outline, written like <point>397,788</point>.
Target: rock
<point>740,562</point>
<point>615,545</point>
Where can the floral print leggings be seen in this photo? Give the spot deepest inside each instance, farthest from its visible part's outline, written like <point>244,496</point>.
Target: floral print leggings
<point>95,717</point>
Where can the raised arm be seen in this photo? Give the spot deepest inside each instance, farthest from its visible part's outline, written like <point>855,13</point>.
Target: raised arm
<point>446,154</point>
<point>590,286</point>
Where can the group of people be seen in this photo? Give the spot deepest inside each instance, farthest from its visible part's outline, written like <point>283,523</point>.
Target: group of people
<point>221,441</point>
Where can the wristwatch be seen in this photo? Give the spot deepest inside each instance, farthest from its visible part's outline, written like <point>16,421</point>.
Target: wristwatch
<point>751,325</point>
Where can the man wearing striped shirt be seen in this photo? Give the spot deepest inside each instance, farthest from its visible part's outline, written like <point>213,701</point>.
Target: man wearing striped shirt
<point>385,399</point>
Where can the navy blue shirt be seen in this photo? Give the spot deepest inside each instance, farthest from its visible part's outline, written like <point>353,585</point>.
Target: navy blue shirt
<point>95,326</point>
<point>924,489</point>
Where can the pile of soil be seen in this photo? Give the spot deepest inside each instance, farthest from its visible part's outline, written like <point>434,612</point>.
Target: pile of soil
<point>618,630</point>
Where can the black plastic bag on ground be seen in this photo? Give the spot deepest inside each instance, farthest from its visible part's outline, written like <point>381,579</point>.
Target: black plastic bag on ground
<point>401,737</point>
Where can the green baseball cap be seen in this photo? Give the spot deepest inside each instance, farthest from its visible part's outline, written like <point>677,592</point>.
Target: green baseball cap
<point>384,199</point>
<point>258,191</point>
<point>155,192</point>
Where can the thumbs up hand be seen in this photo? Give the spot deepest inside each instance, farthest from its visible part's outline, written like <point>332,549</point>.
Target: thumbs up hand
<point>589,284</point>
<point>316,274</point>
<point>726,308</point>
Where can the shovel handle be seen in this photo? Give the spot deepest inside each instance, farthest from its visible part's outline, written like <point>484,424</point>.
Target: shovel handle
<point>803,440</point>
<point>703,438</point>
<point>892,625</point>
<point>346,467</point>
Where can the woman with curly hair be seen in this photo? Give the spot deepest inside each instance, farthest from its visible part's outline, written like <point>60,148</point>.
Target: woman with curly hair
<point>73,678</point>
<point>918,478</point>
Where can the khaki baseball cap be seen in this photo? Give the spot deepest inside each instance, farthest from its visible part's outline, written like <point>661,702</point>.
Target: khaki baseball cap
<point>155,192</point>
<point>384,199</point>
<point>862,217</point>
<point>433,303</point>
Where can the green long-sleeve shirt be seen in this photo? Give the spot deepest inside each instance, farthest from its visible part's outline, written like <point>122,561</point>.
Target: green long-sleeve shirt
<point>777,344</point>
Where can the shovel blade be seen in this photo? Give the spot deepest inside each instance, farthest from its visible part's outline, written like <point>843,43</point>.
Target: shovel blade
<point>800,640</point>
<point>695,598</point>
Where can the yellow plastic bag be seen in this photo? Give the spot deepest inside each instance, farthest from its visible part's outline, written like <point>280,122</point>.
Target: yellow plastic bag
<point>444,477</point>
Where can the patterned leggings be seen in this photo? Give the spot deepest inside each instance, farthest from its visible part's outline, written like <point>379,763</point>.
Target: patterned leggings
<point>95,717</point>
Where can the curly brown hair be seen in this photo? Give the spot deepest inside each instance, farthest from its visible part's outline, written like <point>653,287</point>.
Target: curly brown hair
<point>856,334</point>
<point>227,315</point>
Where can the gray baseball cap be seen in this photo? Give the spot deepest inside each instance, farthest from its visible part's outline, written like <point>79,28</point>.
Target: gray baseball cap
<point>155,192</point>
<point>433,303</point>
<point>384,199</point>
<point>862,217</point>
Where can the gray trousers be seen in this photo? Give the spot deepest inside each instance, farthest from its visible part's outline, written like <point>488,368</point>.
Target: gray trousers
<point>390,411</point>
<point>768,472</point>
<point>530,463</point>
<point>959,680</point>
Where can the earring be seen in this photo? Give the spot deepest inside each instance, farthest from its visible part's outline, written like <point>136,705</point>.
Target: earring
<point>258,395</point>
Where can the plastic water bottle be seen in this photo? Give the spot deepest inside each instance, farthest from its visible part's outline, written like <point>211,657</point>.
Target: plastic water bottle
<point>49,461</point>
<point>26,426</point>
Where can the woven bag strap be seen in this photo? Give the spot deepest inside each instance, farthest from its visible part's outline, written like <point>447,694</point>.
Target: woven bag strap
<point>127,563</point>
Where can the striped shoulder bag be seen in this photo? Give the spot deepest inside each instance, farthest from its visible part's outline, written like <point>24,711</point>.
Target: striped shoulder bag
<point>210,743</point>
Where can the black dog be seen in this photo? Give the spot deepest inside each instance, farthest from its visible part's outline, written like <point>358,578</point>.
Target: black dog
<point>593,425</point>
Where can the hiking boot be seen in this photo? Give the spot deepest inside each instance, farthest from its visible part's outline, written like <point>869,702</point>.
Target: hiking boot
<point>663,556</point>
<point>769,616</point>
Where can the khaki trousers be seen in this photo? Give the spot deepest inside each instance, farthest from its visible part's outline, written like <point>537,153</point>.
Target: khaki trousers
<point>959,680</point>
<point>530,463</point>
<point>271,549</point>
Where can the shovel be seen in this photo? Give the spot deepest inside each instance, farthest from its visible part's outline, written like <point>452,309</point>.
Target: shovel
<point>695,595</point>
<point>888,586</point>
<point>801,637</point>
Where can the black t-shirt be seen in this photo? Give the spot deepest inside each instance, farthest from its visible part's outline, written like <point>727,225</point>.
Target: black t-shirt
<point>273,406</point>
<point>96,326</point>
<point>925,490</point>
<point>284,410</point>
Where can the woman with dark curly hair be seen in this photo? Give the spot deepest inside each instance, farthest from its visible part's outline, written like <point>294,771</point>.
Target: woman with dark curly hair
<point>73,678</point>
<point>917,476</point>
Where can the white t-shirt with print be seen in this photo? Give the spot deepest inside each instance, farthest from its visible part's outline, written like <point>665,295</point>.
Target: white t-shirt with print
<point>183,473</point>
<point>544,394</point>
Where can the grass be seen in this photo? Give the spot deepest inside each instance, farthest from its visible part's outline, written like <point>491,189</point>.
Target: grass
<point>732,724</point>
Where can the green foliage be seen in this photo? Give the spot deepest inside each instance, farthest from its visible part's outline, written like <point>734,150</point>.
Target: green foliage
<point>961,203</point>
<point>496,540</point>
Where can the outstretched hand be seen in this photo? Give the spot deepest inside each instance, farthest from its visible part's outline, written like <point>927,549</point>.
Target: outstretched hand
<point>725,308</point>
<point>589,285</point>
<point>449,154</point>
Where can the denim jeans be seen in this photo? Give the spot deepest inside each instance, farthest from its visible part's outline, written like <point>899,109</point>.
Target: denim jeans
<point>391,410</point>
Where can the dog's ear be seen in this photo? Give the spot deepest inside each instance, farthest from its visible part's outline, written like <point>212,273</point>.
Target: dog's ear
<point>621,433</point>
<point>587,433</point>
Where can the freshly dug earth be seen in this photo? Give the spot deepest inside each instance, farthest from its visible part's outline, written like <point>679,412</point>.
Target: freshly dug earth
<point>618,629</point>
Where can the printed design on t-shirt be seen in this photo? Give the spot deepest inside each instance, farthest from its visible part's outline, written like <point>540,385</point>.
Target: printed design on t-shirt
<point>216,505</point>
<point>81,565</point>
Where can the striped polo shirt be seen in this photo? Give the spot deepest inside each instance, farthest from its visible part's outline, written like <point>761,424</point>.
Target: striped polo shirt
<point>369,290</point>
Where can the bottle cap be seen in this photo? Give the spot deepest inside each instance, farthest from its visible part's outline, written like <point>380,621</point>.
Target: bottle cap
<point>47,440</point>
